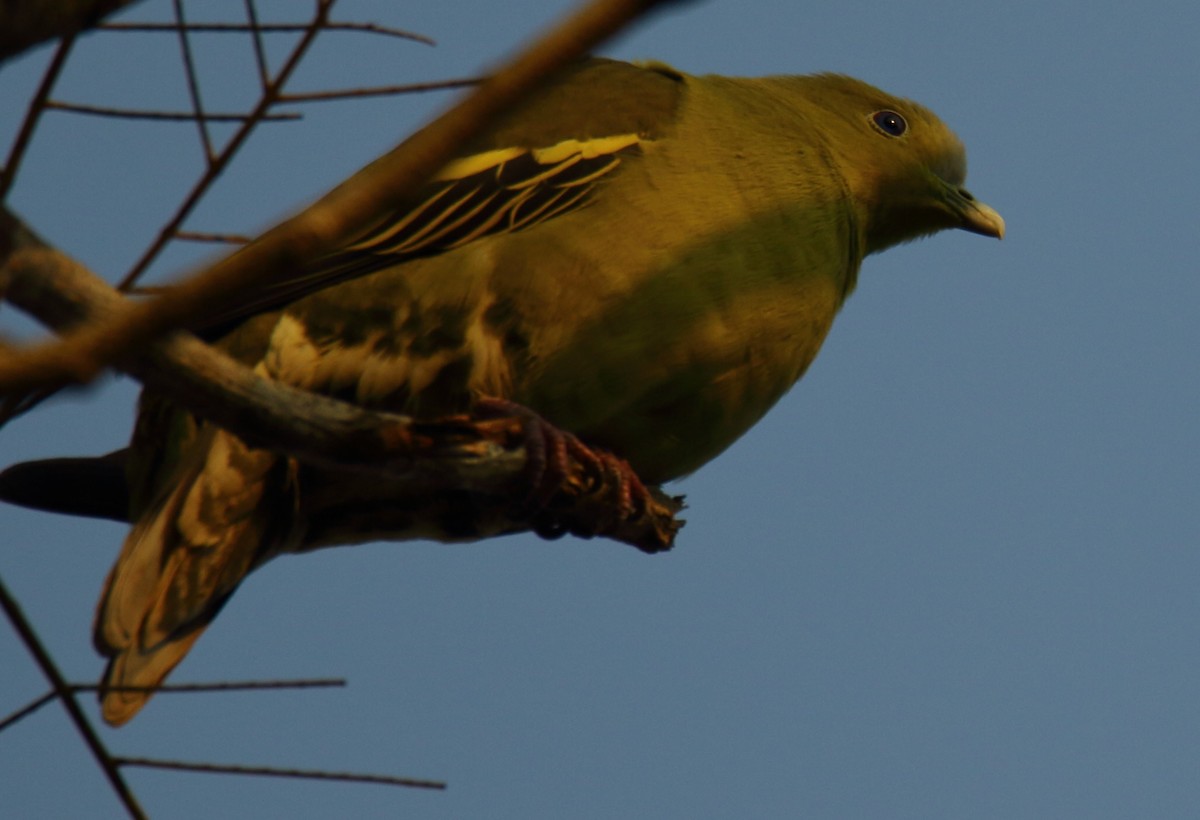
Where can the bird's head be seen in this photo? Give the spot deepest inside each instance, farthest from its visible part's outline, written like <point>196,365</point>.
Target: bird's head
<point>905,169</point>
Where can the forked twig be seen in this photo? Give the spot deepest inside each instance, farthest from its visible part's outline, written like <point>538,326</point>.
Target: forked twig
<point>219,162</point>
<point>63,693</point>
<point>111,764</point>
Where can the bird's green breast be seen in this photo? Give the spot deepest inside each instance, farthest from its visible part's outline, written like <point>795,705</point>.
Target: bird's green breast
<point>687,322</point>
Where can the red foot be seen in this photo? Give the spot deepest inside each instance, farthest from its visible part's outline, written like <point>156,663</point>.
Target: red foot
<point>550,450</point>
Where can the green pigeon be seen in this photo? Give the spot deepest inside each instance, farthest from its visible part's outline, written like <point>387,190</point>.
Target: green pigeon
<point>644,258</point>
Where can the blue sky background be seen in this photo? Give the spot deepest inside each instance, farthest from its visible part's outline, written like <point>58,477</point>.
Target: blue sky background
<point>953,574</point>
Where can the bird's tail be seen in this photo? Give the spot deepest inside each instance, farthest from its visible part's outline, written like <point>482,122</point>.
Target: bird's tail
<point>184,557</point>
<point>91,486</point>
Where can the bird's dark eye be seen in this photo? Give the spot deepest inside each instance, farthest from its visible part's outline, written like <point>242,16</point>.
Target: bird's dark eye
<point>889,122</point>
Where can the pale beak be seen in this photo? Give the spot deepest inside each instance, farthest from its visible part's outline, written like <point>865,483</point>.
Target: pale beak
<point>973,215</point>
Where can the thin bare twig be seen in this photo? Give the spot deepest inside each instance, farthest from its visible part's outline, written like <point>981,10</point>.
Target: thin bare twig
<point>27,710</point>
<point>269,28</point>
<point>174,116</point>
<point>260,50</point>
<point>379,91</point>
<point>290,116</point>
<point>8,174</point>
<point>270,771</point>
<point>193,82</point>
<point>221,686</point>
<point>232,686</point>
